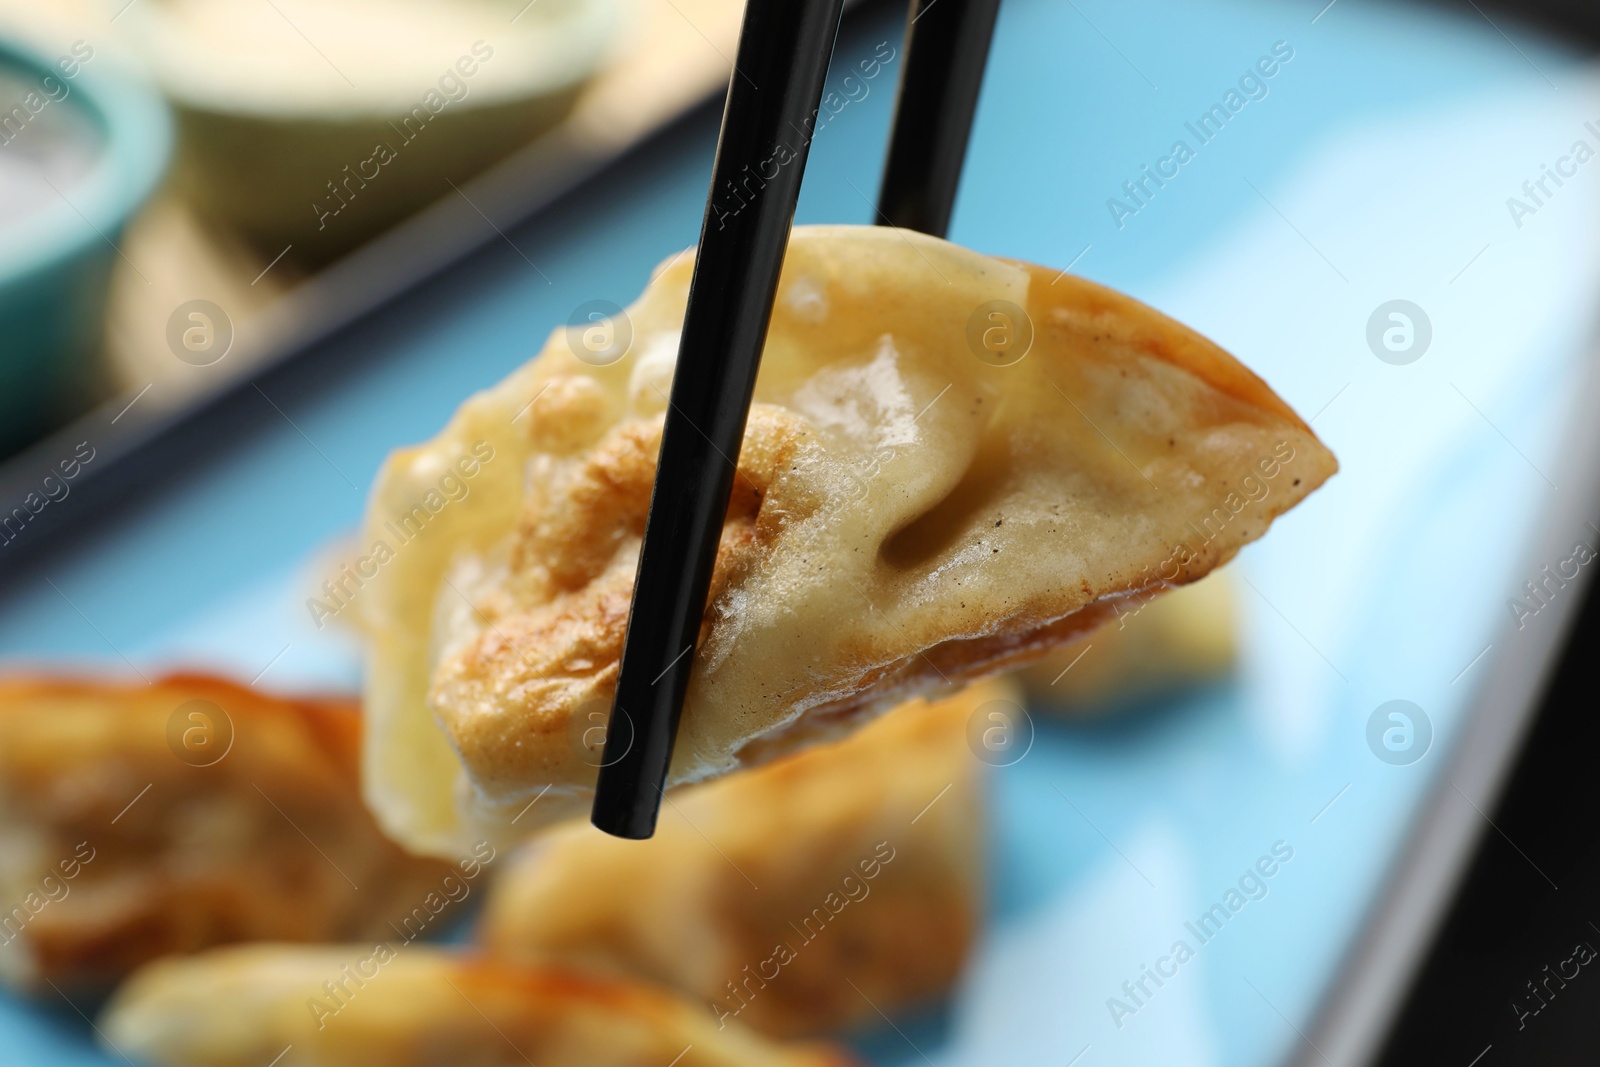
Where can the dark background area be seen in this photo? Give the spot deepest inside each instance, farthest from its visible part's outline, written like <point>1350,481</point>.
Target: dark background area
<point>1492,988</point>
<point>1528,903</point>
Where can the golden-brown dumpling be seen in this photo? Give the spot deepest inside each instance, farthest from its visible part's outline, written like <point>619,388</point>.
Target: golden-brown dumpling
<point>415,1006</point>
<point>913,508</point>
<point>141,820</point>
<point>802,896</point>
<point>1184,637</point>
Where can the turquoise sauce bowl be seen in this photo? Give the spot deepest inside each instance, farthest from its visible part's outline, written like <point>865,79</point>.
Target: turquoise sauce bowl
<point>79,155</point>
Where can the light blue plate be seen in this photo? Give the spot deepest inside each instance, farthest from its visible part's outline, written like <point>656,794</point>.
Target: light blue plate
<point>1376,167</point>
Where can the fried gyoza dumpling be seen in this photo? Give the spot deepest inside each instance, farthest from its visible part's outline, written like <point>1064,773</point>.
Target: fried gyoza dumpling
<point>768,894</point>
<point>417,1006</point>
<point>915,505</point>
<point>141,820</point>
<point>1184,637</point>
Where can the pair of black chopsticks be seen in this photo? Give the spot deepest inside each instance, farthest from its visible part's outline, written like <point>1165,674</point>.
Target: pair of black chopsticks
<point>773,96</point>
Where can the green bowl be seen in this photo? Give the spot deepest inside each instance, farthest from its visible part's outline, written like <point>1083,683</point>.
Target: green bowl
<point>107,138</point>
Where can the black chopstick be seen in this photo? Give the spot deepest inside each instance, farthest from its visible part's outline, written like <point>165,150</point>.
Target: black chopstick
<point>946,48</point>
<point>773,94</point>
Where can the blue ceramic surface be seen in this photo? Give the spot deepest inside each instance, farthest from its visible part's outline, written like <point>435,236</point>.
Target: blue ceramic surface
<point>1376,166</point>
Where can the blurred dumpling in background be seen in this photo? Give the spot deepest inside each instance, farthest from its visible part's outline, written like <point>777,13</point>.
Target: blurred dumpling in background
<point>141,820</point>
<point>799,897</point>
<point>359,1005</point>
<point>319,123</point>
<point>1187,636</point>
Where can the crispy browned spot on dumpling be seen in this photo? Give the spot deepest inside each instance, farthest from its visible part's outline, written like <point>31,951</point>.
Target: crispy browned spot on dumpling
<point>118,843</point>
<point>416,1006</point>
<point>799,897</point>
<point>906,514</point>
